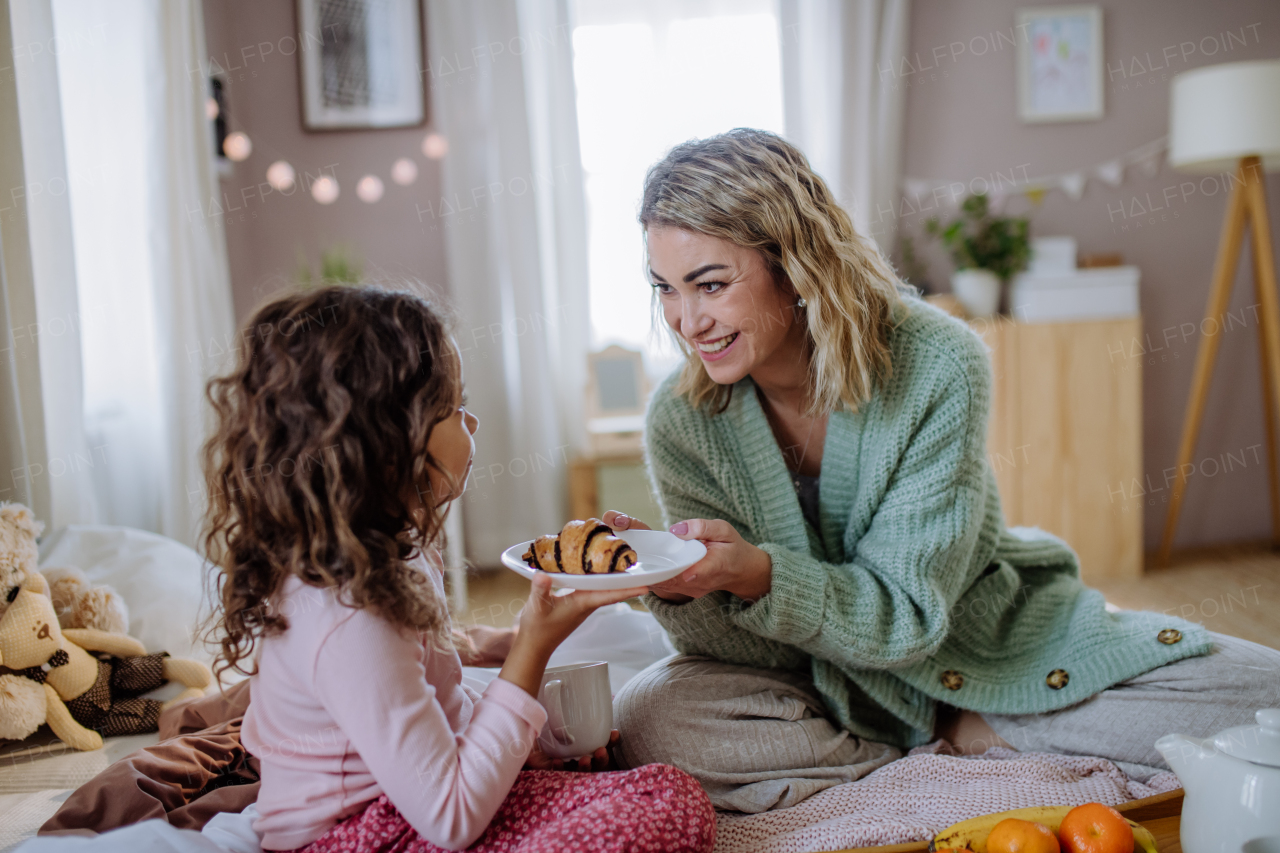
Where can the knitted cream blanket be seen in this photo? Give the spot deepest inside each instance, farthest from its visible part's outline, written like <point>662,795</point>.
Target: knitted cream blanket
<point>916,797</point>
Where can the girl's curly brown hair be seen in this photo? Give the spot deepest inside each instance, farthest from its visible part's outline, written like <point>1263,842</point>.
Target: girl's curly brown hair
<point>318,466</point>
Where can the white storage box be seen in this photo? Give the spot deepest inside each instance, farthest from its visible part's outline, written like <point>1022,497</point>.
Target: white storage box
<point>1090,294</point>
<point>1053,254</point>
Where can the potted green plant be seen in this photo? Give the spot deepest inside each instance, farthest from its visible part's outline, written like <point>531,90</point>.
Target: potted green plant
<point>338,265</point>
<point>987,251</point>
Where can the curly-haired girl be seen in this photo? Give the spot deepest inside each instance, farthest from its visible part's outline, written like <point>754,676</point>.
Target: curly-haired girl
<point>341,439</point>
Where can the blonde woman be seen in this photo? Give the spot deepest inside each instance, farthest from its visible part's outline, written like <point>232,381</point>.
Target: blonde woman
<point>861,594</point>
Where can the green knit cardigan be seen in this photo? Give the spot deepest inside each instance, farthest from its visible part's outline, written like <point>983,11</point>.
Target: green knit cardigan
<point>913,591</point>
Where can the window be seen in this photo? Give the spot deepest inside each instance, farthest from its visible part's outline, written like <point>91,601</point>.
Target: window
<point>650,75</point>
<point>106,71</point>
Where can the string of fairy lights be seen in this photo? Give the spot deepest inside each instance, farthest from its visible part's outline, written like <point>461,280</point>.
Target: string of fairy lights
<point>324,189</point>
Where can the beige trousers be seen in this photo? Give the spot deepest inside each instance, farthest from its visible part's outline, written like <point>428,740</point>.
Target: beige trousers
<point>761,739</point>
<point>756,739</point>
<point>1197,696</point>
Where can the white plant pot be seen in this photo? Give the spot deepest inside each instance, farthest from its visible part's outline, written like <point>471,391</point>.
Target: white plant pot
<point>977,290</point>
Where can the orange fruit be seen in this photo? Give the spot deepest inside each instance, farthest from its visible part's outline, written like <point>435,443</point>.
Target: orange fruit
<point>1012,835</point>
<point>1095,828</point>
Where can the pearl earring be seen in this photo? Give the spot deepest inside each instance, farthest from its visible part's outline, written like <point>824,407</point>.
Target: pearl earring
<point>801,303</point>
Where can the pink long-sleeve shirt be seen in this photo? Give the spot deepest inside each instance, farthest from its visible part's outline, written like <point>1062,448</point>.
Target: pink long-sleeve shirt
<point>346,707</point>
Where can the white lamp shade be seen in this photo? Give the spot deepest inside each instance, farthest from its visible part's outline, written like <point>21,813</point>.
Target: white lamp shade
<point>1224,112</point>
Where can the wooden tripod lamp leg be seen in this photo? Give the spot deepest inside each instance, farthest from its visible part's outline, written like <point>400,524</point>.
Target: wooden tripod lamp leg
<point>1264,275</point>
<point>1269,418</point>
<point>1224,271</point>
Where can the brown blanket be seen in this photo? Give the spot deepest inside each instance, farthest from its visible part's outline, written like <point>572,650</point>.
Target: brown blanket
<point>197,770</point>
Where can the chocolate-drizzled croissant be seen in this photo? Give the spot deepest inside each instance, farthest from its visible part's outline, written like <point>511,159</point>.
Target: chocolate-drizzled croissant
<point>582,548</point>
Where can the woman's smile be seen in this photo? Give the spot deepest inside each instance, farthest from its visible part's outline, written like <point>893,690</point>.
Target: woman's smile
<point>715,349</point>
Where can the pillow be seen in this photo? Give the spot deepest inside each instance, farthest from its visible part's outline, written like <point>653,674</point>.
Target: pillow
<point>629,640</point>
<point>162,581</point>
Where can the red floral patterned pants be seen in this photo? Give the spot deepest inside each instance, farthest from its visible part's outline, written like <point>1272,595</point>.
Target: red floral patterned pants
<point>652,809</point>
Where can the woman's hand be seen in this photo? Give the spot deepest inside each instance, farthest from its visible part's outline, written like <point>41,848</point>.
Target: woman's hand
<point>731,564</point>
<point>546,620</point>
<point>599,760</point>
<point>619,521</point>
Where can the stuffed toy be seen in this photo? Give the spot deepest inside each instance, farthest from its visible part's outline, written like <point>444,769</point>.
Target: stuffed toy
<point>18,532</point>
<point>81,605</point>
<point>80,696</point>
<point>78,604</point>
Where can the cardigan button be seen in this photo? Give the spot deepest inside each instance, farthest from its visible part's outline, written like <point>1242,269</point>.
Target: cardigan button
<point>952,680</point>
<point>1169,636</point>
<point>1057,679</point>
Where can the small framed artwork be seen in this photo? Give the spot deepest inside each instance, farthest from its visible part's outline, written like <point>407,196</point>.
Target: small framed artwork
<point>1060,63</point>
<point>360,64</point>
<point>617,391</point>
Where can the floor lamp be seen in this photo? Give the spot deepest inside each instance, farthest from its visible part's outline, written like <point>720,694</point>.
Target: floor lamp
<point>1226,119</point>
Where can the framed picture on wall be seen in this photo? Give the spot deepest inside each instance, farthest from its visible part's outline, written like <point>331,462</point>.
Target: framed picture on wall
<point>1060,63</point>
<point>360,64</point>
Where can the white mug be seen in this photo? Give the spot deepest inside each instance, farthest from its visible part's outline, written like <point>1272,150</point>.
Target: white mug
<point>579,709</point>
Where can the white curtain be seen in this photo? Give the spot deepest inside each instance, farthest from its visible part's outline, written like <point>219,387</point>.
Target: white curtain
<point>45,459</point>
<point>843,100</point>
<point>146,270</point>
<point>192,282</point>
<point>512,211</point>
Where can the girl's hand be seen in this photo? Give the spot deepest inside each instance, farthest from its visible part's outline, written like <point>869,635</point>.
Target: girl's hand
<point>546,620</point>
<point>732,564</point>
<point>594,763</point>
<point>481,645</point>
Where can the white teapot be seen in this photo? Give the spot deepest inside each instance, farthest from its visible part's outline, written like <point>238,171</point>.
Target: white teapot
<point>1232,785</point>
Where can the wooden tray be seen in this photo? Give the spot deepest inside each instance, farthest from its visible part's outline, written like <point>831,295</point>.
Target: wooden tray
<point>1161,814</point>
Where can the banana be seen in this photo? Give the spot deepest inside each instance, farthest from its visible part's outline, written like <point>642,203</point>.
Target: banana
<point>1143,838</point>
<point>972,834</point>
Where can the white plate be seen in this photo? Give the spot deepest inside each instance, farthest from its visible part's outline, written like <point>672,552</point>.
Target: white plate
<point>662,556</point>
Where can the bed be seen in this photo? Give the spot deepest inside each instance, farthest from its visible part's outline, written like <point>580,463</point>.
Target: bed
<point>893,810</point>
<point>822,823</point>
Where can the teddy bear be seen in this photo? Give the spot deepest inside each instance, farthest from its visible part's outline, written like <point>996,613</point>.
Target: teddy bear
<point>18,555</point>
<point>50,676</point>
<point>77,602</point>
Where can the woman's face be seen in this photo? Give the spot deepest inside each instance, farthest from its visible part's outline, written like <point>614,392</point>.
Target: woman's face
<point>722,299</point>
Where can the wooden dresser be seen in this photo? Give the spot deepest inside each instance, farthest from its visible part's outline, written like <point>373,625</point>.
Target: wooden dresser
<point>1065,437</point>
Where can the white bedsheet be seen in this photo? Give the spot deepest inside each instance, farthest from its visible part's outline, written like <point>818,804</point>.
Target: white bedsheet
<point>21,815</point>
<point>226,833</point>
<point>50,765</point>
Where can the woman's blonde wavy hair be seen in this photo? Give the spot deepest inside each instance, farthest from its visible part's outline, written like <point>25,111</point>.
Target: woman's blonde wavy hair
<point>756,190</point>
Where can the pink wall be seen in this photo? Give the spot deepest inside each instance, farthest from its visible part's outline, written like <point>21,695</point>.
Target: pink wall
<point>249,40</point>
<point>962,123</point>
